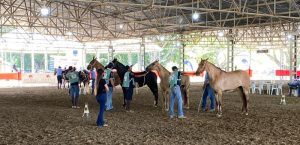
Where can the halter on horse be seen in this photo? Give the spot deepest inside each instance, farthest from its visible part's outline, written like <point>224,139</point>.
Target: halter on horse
<point>148,78</point>
<point>225,81</point>
<point>164,75</point>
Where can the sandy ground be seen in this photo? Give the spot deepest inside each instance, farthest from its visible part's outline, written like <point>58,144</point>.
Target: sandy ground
<point>44,116</point>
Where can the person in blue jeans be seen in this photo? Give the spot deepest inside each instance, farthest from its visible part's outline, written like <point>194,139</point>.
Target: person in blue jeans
<point>175,93</point>
<point>59,72</point>
<point>101,97</point>
<point>93,78</point>
<point>73,77</point>
<point>208,91</point>
<point>128,84</point>
<point>108,77</point>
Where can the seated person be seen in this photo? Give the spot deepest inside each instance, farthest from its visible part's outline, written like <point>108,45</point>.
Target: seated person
<point>294,85</point>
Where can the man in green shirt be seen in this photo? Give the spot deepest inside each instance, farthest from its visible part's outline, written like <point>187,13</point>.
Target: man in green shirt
<point>73,77</point>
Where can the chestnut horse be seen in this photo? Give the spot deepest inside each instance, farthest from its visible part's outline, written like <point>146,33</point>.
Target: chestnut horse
<point>96,64</point>
<point>164,75</point>
<point>226,81</point>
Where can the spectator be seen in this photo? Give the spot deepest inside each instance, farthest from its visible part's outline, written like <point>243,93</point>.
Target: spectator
<point>59,72</point>
<point>175,92</point>
<point>294,85</point>
<point>73,77</point>
<point>108,77</point>
<point>101,97</point>
<point>208,91</point>
<point>128,84</point>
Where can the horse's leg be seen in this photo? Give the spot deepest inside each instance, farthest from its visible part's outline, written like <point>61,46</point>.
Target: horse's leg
<point>124,96</point>
<point>243,99</point>
<point>187,95</point>
<point>219,103</point>
<point>154,91</point>
<point>246,96</point>
<point>168,99</point>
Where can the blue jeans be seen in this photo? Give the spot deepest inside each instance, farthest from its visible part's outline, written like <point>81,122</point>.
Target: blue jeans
<point>101,99</point>
<point>208,92</point>
<point>175,92</point>
<point>74,94</point>
<point>109,105</point>
<point>93,85</point>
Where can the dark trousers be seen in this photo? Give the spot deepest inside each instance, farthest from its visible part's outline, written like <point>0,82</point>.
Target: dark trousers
<point>294,86</point>
<point>128,96</point>
<point>101,99</point>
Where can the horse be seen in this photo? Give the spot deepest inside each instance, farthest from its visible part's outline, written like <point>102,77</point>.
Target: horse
<point>226,81</point>
<point>144,78</point>
<point>164,75</point>
<point>84,77</point>
<point>65,79</point>
<point>94,63</point>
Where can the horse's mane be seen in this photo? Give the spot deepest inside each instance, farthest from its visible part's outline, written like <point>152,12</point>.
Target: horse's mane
<point>216,66</point>
<point>164,68</point>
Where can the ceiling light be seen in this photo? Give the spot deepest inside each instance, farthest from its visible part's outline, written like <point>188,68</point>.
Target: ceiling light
<point>178,44</point>
<point>221,34</point>
<point>196,16</point>
<point>45,11</point>
<point>289,36</point>
<point>121,26</point>
<point>162,38</point>
<point>69,33</point>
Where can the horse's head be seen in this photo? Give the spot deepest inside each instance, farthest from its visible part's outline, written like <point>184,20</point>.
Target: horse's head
<point>201,66</point>
<point>153,66</point>
<point>92,63</point>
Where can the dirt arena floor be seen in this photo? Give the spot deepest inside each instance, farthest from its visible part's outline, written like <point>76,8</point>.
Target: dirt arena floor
<point>44,116</point>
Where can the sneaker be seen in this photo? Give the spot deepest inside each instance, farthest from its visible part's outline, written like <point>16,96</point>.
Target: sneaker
<point>105,125</point>
<point>181,117</point>
<point>171,116</point>
<point>77,107</point>
<point>212,110</point>
<point>73,106</point>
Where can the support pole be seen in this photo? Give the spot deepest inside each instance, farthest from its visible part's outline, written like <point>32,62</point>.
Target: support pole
<point>142,55</point>
<point>22,62</point>
<point>230,52</point>
<point>83,57</point>
<point>110,52</point>
<point>32,60</point>
<point>46,60</point>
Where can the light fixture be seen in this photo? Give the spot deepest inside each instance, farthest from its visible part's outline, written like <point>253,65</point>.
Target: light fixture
<point>178,44</point>
<point>45,11</point>
<point>162,38</point>
<point>289,36</point>
<point>220,34</point>
<point>121,26</point>
<point>69,33</point>
<point>196,16</point>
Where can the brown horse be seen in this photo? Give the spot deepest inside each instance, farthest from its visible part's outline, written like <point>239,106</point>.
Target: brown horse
<point>96,64</point>
<point>226,81</point>
<point>164,75</point>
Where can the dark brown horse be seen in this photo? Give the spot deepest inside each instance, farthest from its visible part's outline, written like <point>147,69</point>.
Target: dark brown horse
<point>226,81</point>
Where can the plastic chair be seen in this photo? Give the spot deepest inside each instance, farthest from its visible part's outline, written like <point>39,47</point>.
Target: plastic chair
<point>260,87</point>
<point>275,88</point>
<point>268,88</point>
